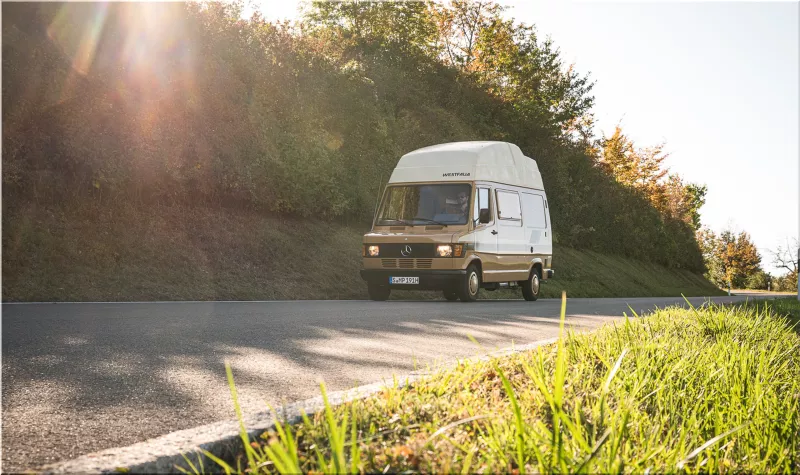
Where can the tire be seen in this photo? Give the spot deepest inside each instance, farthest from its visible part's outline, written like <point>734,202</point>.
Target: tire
<point>533,286</point>
<point>471,285</point>
<point>379,293</point>
<point>450,295</point>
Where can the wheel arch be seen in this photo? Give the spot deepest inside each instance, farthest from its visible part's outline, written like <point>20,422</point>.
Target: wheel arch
<point>537,263</point>
<point>477,261</point>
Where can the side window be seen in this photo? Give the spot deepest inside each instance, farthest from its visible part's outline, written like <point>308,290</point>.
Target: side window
<point>533,210</point>
<point>508,205</point>
<point>481,201</point>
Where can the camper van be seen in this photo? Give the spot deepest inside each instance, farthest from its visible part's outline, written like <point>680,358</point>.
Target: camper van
<point>458,218</point>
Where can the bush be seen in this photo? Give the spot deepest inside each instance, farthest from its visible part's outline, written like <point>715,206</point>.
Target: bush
<point>266,117</point>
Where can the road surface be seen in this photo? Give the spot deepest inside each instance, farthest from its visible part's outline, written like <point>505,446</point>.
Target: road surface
<point>78,378</point>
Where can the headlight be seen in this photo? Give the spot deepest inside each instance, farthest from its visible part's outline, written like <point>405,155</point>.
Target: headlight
<point>445,250</point>
<point>373,251</point>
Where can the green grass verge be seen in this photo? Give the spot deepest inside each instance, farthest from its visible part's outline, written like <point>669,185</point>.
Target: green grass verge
<point>712,389</point>
<point>178,253</point>
<point>787,307</point>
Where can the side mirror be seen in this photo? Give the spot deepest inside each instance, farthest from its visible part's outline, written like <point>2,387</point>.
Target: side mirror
<point>484,216</point>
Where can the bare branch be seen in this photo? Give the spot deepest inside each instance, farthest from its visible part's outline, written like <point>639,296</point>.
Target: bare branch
<point>786,257</point>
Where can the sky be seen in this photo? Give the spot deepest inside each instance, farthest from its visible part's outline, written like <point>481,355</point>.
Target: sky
<point>717,82</point>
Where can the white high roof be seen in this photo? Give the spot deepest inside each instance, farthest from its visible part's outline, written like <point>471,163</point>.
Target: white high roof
<point>500,162</point>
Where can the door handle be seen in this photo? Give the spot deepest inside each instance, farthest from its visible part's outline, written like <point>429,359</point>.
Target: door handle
<point>494,232</point>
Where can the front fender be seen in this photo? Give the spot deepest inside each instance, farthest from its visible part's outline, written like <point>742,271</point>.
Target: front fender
<point>534,261</point>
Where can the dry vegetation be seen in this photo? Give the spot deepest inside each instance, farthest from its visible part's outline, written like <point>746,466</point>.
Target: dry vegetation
<point>196,253</point>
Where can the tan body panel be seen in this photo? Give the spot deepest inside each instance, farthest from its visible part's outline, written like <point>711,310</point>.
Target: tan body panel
<point>505,267</point>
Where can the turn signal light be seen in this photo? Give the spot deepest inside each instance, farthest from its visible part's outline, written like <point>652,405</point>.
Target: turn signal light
<point>457,250</point>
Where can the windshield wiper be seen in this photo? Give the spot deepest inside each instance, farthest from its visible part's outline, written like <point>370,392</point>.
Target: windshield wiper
<point>432,221</point>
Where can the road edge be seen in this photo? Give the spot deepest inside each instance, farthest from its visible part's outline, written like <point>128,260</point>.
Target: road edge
<point>222,439</point>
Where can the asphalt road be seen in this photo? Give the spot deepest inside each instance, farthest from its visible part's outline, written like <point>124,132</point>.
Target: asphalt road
<point>78,378</point>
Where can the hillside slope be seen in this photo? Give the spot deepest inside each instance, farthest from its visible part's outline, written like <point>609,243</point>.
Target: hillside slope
<point>306,122</point>
<point>181,253</point>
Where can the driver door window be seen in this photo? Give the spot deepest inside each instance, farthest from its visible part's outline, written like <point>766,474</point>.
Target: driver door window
<point>482,200</point>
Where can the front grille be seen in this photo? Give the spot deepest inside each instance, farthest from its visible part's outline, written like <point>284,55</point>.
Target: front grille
<point>418,250</point>
<point>406,263</point>
<point>424,263</point>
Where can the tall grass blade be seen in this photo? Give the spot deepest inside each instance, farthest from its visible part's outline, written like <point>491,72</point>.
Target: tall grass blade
<point>457,423</point>
<point>355,450</point>
<point>594,452</point>
<point>614,371</point>
<point>520,424</point>
<point>561,354</point>
<point>288,457</point>
<point>223,464</point>
<point>467,464</point>
<point>189,462</point>
<point>334,434</point>
<point>708,444</point>
<point>242,431</point>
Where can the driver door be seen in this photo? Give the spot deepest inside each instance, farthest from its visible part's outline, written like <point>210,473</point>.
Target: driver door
<point>485,234</point>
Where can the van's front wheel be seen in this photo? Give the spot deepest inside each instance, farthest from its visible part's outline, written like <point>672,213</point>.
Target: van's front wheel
<point>468,290</point>
<point>378,292</point>
<point>532,286</point>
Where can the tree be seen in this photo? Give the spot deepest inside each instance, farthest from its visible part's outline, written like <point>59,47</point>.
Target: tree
<point>680,201</point>
<point>739,258</point>
<point>508,59</point>
<point>759,281</point>
<point>638,168</point>
<point>696,198</point>
<point>731,259</point>
<point>347,26</point>
<point>641,169</point>
<point>461,24</point>
<point>617,157</point>
<point>709,246</point>
<point>788,258</point>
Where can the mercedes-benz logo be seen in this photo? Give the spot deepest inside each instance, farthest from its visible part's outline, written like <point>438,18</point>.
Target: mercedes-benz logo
<point>406,251</point>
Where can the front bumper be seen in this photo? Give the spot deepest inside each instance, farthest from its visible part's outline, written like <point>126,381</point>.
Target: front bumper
<point>433,279</point>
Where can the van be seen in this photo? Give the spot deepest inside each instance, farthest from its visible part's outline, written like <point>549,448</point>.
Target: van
<point>460,217</point>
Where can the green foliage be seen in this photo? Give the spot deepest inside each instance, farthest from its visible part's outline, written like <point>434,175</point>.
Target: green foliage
<point>684,390</point>
<point>696,197</point>
<point>731,259</point>
<point>188,103</point>
<point>638,168</point>
<point>641,169</point>
<point>759,280</point>
<point>785,283</point>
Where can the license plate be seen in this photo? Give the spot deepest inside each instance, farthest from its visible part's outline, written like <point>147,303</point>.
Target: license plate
<point>404,280</point>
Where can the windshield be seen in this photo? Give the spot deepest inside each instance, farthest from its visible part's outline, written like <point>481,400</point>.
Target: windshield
<point>425,204</point>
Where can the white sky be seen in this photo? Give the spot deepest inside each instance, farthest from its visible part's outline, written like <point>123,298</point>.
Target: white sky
<point>717,81</point>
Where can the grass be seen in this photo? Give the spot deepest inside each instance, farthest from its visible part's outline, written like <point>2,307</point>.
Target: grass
<point>786,307</point>
<point>177,253</point>
<point>709,389</point>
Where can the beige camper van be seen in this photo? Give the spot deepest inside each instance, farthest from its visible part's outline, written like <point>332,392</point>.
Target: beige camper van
<point>460,217</point>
